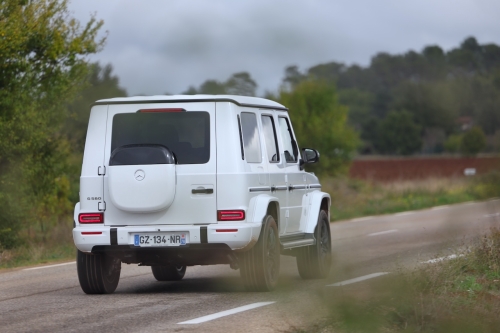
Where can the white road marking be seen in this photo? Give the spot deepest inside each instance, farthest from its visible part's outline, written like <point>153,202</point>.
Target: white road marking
<point>492,215</point>
<point>362,219</point>
<point>440,207</point>
<point>358,279</point>
<point>225,313</point>
<point>33,268</point>
<point>383,232</point>
<point>404,213</point>
<point>468,203</point>
<point>433,261</point>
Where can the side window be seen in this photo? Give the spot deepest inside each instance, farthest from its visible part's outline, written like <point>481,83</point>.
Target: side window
<point>289,144</point>
<point>251,140</point>
<point>270,138</point>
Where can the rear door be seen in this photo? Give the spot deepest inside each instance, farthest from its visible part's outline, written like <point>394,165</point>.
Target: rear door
<point>139,192</point>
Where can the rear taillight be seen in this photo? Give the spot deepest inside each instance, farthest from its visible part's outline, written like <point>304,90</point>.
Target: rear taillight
<point>230,215</point>
<point>161,110</point>
<point>91,218</point>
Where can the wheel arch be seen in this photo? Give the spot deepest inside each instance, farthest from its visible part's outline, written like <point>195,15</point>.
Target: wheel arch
<point>262,205</point>
<point>318,201</point>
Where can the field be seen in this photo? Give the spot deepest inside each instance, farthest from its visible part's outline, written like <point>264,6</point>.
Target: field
<point>397,169</point>
<point>414,183</point>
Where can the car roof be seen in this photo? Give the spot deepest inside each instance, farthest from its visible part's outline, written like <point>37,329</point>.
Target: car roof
<point>239,100</point>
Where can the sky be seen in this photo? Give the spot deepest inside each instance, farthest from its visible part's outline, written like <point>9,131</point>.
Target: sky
<point>165,46</point>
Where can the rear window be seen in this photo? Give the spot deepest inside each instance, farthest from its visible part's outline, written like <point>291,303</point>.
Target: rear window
<point>186,134</point>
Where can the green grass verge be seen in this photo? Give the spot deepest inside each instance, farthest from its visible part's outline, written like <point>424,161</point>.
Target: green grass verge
<point>33,254</point>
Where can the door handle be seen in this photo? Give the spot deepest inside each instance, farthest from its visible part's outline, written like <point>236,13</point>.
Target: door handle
<point>202,191</point>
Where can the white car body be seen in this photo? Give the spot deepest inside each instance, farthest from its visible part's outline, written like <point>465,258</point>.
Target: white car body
<point>138,200</point>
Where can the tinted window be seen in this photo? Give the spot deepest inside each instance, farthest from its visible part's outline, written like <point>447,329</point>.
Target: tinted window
<point>186,134</point>
<point>251,140</point>
<point>290,146</point>
<point>270,138</point>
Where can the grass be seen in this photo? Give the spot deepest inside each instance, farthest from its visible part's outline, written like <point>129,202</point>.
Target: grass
<point>32,254</point>
<point>356,198</point>
<point>37,247</point>
<point>458,295</point>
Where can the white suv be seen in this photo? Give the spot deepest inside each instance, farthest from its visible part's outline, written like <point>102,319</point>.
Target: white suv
<point>176,181</point>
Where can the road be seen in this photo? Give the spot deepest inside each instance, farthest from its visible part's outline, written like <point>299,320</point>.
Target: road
<point>212,299</point>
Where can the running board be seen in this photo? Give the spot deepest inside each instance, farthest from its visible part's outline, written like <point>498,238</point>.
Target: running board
<point>299,240</point>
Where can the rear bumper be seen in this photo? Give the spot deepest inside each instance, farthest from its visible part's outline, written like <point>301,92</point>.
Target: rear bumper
<point>186,255</point>
<point>236,236</point>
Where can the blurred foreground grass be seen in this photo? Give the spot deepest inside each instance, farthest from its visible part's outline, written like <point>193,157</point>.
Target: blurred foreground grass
<point>356,198</point>
<point>457,295</point>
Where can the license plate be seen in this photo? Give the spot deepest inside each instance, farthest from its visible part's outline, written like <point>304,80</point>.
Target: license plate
<point>160,239</point>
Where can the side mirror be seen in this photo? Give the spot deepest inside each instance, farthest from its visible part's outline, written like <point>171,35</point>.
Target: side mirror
<point>310,155</point>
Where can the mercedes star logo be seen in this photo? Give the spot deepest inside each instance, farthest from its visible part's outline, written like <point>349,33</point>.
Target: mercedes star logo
<point>139,175</point>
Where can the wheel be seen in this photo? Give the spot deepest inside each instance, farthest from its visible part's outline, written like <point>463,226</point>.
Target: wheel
<point>98,273</point>
<point>168,272</point>
<point>260,266</point>
<point>315,261</point>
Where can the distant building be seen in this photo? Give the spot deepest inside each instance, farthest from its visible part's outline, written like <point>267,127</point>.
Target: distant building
<point>465,123</point>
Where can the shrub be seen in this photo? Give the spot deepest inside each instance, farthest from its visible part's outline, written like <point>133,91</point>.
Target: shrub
<point>473,141</point>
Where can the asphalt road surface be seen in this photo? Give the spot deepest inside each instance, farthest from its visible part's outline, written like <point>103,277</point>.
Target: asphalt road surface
<point>212,299</point>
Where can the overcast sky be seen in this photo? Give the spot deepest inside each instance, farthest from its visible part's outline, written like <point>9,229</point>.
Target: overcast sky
<point>164,46</point>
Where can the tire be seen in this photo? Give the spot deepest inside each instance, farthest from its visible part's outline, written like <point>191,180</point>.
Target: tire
<point>259,267</point>
<point>98,273</point>
<point>168,272</point>
<point>315,261</point>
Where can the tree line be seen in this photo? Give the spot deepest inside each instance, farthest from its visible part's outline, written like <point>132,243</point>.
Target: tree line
<point>428,102</point>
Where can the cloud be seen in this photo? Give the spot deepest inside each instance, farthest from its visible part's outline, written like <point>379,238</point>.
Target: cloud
<point>158,46</point>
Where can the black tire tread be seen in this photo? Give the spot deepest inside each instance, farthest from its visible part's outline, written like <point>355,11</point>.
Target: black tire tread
<point>252,267</point>
<point>90,268</point>
<point>168,273</point>
<point>308,262</point>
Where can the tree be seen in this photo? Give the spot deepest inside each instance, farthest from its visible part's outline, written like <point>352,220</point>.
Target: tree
<point>428,102</point>
<point>101,83</point>
<point>453,143</point>
<point>212,87</point>
<point>360,105</point>
<point>398,134</point>
<point>238,84</point>
<point>241,84</point>
<point>42,66</point>
<point>320,122</point>
<point>293,77</point>
<point>329,72</point>
<point>473,141</point>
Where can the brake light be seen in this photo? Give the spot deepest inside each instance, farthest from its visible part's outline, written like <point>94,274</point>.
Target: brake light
<point>91,218</point>
<point>230,215</point>
<point>91,232</point>
<point>161,110</point>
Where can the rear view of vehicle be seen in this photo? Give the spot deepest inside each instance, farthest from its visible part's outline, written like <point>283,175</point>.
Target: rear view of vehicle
<point>177,181</point>
<point>148,182</point>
